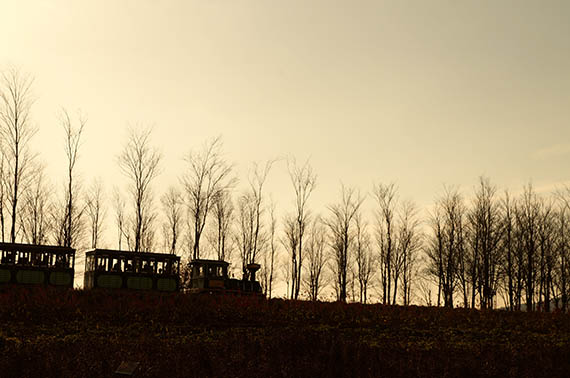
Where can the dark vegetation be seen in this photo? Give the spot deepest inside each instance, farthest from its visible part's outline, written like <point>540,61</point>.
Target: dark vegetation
<point>53,333</point>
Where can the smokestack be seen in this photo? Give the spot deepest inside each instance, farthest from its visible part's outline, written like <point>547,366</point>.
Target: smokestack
<point>252,268</point>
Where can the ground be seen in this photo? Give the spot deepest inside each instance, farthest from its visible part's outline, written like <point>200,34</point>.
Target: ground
<point>73,333</point>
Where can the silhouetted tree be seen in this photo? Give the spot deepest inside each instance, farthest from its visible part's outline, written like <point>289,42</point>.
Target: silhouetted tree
<point>563,247</point>
<point>507,246</point>
<point>139,162</point>
<point>35,214</point>
<point>304,181</point>
<point>341,224</point>
<point>528,217</point>
<point>446,245</point>
<point>73,212</point>
<point>223,217</point>
<point>3,192</point>
<point>546,235</point>
<point>16,131</point>
<point>95,211</point>
<point>385,197</point>
<point>290,241</point>
<point>485,226</point>
<point>316,252</point>
<point>172,209</point>
<point>208,175</point>
<point>253,237</point>
<point>120,219</point>
<point>363,254</point>
<point>409,245</point>
<point>270,256</point>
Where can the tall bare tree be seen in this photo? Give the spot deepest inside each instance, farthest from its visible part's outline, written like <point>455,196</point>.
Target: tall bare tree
<point>207,176</point>
<point>364,258</point>
<point>507,246</point>
<point>317,258</point>
<point>447,243</point>
<point>485,226</point>
<point>3,193</point>
<point>120,218</point>
<point>410,241</point>
<point>271,255</point>
<point>172,209</point>
<point>96,212</point>
<point>223,217</point>
<point>341,224</point>
<point>139,162</point>
<point>73,131</point>
<point>563,246</point>
<point>35,212</point>
<point>304,181</point>
<point>528,217</point>
<point>290,242</point>
<point>252,236</point>
<point>16,131</point>
<point>386,200</point>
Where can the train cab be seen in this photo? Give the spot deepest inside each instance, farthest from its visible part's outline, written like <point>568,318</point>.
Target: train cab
<point>112,269</point>
<point>31,264</point>
<point>211,276</point>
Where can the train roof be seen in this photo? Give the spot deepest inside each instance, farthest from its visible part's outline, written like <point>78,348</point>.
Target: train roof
<point>20,247</point>
<point>131,254</point>
<point>209,262</point>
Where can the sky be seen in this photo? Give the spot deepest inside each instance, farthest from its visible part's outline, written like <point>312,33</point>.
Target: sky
<point>421,93</point>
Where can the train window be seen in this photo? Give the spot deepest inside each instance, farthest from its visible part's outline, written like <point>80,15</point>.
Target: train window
<point>90,263</point>
<point>129,267</point>
<point>116,265</point>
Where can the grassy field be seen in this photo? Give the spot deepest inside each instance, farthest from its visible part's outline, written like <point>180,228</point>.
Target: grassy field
<point>50,333</point>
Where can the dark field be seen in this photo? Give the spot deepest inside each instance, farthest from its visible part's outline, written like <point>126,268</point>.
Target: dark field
<point>48,333</point>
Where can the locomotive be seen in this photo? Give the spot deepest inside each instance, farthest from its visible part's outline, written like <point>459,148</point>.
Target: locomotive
<point>113,269</point>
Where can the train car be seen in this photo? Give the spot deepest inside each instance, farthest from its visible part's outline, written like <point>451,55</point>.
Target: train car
<point>211,276</point>
<point>111,269</point>
<point>30,264</point>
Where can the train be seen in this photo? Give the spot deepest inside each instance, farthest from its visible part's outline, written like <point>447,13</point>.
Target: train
<point>30,264</point>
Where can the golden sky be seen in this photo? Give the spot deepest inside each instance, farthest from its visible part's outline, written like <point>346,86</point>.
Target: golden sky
<point>418,92</point>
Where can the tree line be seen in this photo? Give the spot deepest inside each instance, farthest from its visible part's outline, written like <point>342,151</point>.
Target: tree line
<point>484,250</point>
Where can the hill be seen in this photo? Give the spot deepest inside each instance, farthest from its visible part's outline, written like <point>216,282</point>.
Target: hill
<point>74,333</point>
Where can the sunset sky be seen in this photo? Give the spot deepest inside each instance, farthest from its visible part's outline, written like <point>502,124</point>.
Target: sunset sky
<point>423,93</point>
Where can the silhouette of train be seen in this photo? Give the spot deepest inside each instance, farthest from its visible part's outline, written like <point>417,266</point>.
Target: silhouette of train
<point>29,264</point>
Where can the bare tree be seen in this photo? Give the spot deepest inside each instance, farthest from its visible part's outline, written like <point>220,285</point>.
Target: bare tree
<point>316,248</point>
<point>446,243</point>
<point>16,131</point>
<point>486,229</point>
<point>271,255</point>
<point>385,197</point>
<point>546,237</point>
<point>304,181</point>
<point>341,227</point>
<point>207,176</point>
<point>252,237</point>
<point>364,259</point>
<point>95,211</point>
<point>120,219</point>
<point>223,213</point>
<point>409,245</point>
<point>139,162</point>
<point>528,216</point>
<point>507,245</point>
<point>72,143</point>
<point>36,206</point>
<point>563,246</point>
<point>290,242</point>
<point>172,209</point>
<point>3,193</point>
